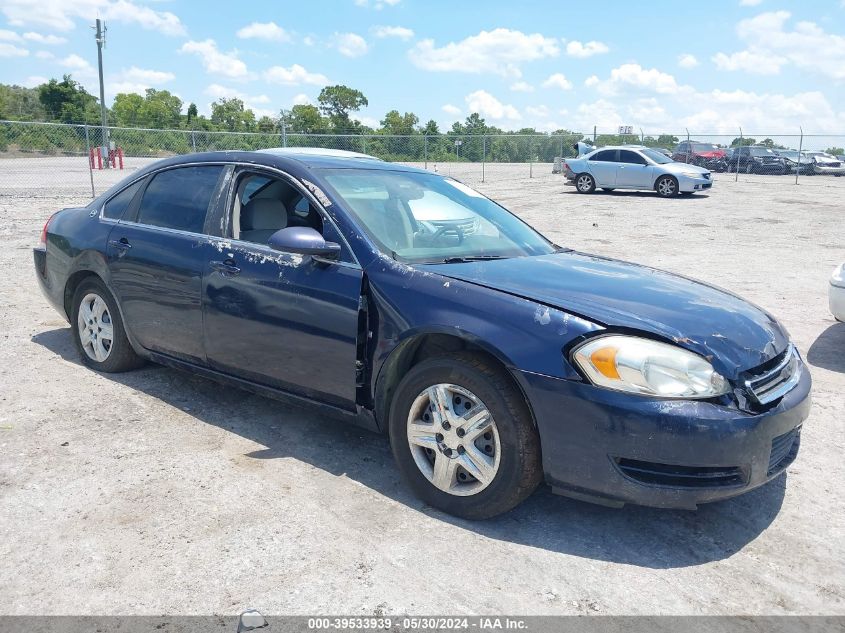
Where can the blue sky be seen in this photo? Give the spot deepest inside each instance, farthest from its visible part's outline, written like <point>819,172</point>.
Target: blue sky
<point>662,66</point>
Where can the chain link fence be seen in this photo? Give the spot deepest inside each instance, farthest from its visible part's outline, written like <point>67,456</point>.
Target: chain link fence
<point>59,160</point>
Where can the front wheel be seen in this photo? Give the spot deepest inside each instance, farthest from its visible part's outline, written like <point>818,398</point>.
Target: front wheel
<point>749,168</point>
<point>585,183</point>
<point>463,437</point>
<point>98,329</point>
<point>666,186</point>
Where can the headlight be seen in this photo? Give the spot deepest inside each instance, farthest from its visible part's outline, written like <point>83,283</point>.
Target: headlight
<point>646,367</point>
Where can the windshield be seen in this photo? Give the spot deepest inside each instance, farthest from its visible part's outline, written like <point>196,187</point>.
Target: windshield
<point>762,151</point>
<point>426,218</point>
<point>656,157</point>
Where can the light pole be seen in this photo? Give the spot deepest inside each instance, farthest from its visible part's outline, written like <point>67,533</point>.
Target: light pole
<point>101,41</point>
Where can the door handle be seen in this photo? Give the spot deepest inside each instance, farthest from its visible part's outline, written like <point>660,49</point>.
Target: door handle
<point>122,244</point>
<point>227,268</point>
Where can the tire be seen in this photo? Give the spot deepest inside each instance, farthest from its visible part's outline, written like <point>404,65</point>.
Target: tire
<point>687,193</point>
<point>585,183</point>
<point>666,186</point>
<point>115,356</point>
<point>749,168</point>
<point>608,189</point>
<point>509,448</point>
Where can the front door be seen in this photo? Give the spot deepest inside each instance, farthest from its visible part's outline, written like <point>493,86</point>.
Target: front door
<point>633,171</point>
<point>279,319</point>
<point>157,257</point>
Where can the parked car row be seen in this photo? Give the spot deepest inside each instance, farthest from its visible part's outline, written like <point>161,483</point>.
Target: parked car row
<point>757,159</point>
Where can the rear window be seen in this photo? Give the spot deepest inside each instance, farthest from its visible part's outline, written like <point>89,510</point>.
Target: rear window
<point>117,205</point>
<point>179,198</point>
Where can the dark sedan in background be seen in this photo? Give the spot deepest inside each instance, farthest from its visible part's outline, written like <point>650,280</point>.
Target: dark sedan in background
<point>493,358</point>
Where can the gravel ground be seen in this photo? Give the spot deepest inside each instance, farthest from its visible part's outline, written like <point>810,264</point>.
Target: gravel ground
<point>158,492</point>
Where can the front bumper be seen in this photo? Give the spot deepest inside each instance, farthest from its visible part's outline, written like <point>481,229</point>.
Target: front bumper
<point>824,170</point>
<point>836,300</point>
<point>692,183</point>
<point>609,447</point>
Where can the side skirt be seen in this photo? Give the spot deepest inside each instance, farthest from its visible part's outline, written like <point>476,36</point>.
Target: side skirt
<point>360,417</point>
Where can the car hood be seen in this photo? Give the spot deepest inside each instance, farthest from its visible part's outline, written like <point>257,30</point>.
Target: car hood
<point>733,333</point>
<point>713,154</point>
<point>684,168</point>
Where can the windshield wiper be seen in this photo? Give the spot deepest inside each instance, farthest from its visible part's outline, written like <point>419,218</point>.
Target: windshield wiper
<point>472,258</point>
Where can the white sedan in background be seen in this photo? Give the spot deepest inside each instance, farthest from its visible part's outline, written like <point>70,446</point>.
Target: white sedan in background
<point>837,293</point>
<point>629,167</point>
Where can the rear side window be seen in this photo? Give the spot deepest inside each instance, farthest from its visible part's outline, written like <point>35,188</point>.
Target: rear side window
<point>606,156</point>
<point>117,205</point>
<point>179,198</point>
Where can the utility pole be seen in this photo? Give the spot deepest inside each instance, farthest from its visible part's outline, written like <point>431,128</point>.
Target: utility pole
<point>101,41</point>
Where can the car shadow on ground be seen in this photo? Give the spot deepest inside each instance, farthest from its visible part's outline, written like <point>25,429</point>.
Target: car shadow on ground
<point>645,537</point>
<point>636,194</point>
<point>827,350</point>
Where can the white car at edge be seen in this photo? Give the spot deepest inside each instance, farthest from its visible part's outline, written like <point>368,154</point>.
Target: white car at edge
<point>634,167</point>
<point>836,294</point>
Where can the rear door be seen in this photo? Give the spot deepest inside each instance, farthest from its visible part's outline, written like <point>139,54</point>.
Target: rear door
<point>633,171</point>
<point>157,254</point>
<point>603,167</point>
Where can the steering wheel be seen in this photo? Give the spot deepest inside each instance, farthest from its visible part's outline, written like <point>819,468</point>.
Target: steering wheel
<point>443,230</point>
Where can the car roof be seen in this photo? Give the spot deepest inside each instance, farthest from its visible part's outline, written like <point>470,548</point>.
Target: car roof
<point>287,160</point>
<point>315,151</point>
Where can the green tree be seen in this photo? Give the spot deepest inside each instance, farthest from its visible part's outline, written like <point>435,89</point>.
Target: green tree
<point>475,124</point>
<point>667,140</point>
<point>267,125</point>
<point>431,128</point>
<point>835,151</point>
<point>305,119</point>
<point>67,101</point>
<point>126,109</point>
<point>395,123</point>
<point>161,109</point>
<point>337,102</point>
<point>20,104</point>
<point>231,115</point>
<point>192,113</point>
<point>744,141</point>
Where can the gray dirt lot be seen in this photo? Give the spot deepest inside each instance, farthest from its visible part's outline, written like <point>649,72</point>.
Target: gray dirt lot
<point>157,492</point>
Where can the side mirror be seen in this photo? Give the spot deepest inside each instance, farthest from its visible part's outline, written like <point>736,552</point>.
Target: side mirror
<point>303,240</point>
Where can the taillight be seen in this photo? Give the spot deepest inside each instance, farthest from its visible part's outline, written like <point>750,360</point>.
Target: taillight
<point>42,241</point>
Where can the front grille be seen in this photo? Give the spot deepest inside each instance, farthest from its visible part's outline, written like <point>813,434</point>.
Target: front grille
<point>772,383</point>
<point>784,450</point>
<point>657,474</point>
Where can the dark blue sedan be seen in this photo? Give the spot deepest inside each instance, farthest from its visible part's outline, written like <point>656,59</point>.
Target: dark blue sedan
<point>411,304</point>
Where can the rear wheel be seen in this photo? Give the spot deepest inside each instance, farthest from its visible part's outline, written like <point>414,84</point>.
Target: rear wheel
<point>585,183</point>
<point>463,437</point>
<point>666,186</point>
<point>98,329</point>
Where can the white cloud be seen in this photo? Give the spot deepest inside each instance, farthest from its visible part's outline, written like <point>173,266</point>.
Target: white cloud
<point>633,77</point>
<point>557,80</point>
<point>76,63</point>
<point>264,31</point>
<point>687,61</point>
<point>350,44</point>
<point>488,106</point>
<point>756,62</point>
<point>500,51</point>
<point>9,36</point>
<point>393,31</point>
<point>301,99</point>
<point>540,112</point>
<point>34,80</point>
<point>62,15</point>
<point>771,45</point>
<point>44,55</point>
<point>146,76</point>
<point>378,5</point>
<point>294,76</point>
<point>49,40</point>
<point>591,81</point>
<point>588,49</point>
<point>10,50</point>
<point>451,109</point>
<point>126,87</point>
<point>216,62</point>
<point>749,3</point>
<point>522,86</point>
<point>368,121</point>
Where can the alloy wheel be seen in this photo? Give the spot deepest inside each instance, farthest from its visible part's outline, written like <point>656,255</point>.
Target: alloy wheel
<point>453,439</point>
<point>666,187</point>
<point>584,183</point>
<point>95,327</point>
